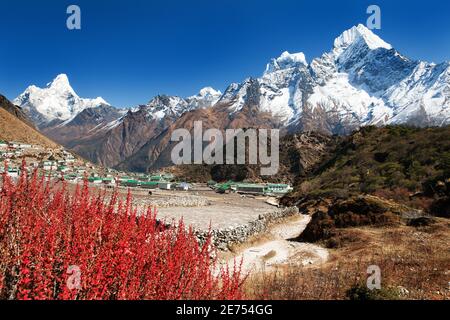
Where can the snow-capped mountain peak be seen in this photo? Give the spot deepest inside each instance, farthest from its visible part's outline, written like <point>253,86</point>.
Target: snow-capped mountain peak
<point>359,33</point>
<point>99,101</point>
<point>207,97</point>
<point>209,91</point>
<point>61,83</point>
<point>56,102</point>
<point>285,61</point>
<point>363,80</point>
<point>161,106</point>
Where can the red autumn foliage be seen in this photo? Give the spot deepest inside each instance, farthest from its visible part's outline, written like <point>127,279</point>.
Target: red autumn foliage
<point>55,244</point>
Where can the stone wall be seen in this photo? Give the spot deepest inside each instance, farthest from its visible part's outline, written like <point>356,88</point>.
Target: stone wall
<point>223,238</point>
<point>176,201</point>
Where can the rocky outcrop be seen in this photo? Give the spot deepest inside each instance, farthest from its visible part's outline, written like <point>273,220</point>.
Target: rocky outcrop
<point>88,125</point>
<point>363,210</point>
<point>300,154</point>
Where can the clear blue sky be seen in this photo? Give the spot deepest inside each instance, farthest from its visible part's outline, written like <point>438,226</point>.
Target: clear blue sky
<point>129,51</point>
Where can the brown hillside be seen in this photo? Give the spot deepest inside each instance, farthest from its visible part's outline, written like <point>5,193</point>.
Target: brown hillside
<point>14,129</point>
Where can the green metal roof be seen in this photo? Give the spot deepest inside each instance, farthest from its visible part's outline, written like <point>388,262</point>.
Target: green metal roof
<point>150,183</point>
<point>131,181</point>
<point>250,185</point>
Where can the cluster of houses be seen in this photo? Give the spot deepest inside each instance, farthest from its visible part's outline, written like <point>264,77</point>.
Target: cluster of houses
<point>11,150</point>
<point>51,162</point>
<point>163,181</point>
<point>61,164</point>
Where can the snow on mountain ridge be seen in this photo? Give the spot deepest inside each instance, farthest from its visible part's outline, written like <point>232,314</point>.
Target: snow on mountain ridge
<point>61,83</point>
<point>209,91</point>
<point>207,97</point>
<point>56,102</point>
<point>357,33</point>
<point>285,61</point>
<point>162,106</point>
<point>361,81</point>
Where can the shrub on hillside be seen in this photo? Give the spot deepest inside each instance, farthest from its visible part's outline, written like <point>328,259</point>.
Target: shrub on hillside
<point>353,212</point>
<point>392,158</point>
<point>441,208</point>
<point>59,245</point>
<point>361,292</point>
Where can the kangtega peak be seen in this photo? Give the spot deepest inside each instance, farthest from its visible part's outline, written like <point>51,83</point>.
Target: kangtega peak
<point>361,81</point>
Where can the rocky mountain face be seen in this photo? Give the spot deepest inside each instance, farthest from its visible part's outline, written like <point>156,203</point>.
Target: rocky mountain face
<point>300,155</point>
<point>108,136</point>
<point>16,111</point>
<point>86,125</point>
<point>361,81</point>
<point>156,152</point>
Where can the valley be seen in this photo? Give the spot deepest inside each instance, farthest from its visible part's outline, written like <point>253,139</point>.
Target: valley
<point>362,179</point>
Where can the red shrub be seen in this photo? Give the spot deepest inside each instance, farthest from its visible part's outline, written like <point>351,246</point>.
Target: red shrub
<point>58,245</point>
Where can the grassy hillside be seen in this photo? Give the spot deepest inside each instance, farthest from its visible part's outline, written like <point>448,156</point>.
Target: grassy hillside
<point>409,165</point>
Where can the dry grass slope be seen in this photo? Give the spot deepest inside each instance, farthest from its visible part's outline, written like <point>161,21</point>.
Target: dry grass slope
<point>13,129</point>
<point>414,264</point>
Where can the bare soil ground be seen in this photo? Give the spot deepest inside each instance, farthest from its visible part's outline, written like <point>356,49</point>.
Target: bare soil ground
<point>220,211</point>
<point>275,249</point>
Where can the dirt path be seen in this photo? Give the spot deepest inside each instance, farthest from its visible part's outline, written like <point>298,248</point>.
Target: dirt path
<point>281,251</point>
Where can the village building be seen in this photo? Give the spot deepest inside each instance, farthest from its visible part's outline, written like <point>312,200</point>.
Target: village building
<point>108,180</point>
<point>129,183</point>
<point>95,180</point>
<point>164,185</point>
<point>183,186</point>
<point>149,185</point>
<point>24,146</point>
<point>63,169</point>
<point>49,165</point>
<point>13,172</point>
